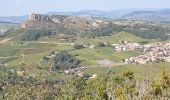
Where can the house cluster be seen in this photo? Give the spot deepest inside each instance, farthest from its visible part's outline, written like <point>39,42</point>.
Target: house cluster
<point>84,46</point>
<point>125,46</point>
<point>3,30</point>
<point>152,53</point>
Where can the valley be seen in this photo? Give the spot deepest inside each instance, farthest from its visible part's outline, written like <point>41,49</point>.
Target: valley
<point>15,53</point>
<point>55,50</point>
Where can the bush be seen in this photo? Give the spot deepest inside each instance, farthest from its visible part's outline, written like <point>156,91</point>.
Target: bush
<point>35,34</point>
<point>78,46</point>
<point>100,44</point>
<point>63,61</point>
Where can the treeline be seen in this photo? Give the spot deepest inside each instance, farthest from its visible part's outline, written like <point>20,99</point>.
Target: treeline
<point>144,30</point>
<point>151,33</point>
<point>106,30</point>
<point>148,31</point>
<point>63,61</point>
<point>109,87</point>
<point>35,34</point>
<point>28,34</point>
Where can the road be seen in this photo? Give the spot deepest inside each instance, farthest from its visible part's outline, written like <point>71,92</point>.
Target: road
<point>53,42</point>
<point>5,40</point>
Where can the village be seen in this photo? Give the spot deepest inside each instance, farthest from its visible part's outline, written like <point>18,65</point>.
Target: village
<point>152,53</point>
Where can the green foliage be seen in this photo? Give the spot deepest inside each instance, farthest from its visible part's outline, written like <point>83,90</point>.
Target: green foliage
<point>78,46</point>
<point>129,75</point>
<point>63,61</point>
<point>144,42</point>
<point>151,32</point>
<point>35,34</point>
<point>165,80</point>
<point>156,88</point>
<point>1,89</point>
<point>143,30</point>
<point>114,86</point>
<point>106,30</point>
<point>78,84</point>
<point>100,44</point>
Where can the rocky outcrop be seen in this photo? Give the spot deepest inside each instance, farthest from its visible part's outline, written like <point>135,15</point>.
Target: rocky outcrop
<point>39,20</point>
<point>76,24</point>
<point>53,18</point>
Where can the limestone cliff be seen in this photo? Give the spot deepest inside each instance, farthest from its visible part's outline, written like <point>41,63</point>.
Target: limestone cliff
<point>60,22</point>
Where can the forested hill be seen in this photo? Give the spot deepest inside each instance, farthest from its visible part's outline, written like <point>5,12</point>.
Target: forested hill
<point>93,27</point>
<point>158,15</point>
<point>70,27</point>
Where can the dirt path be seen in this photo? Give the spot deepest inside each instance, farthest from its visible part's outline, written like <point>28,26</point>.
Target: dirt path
<point>5,40</point>
<point>108,63</point>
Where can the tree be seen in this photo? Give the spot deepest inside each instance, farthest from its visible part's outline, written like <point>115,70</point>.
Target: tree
<point>78,85</point>
<point>165,80</point>
<point>100,44</point>
<point>1,90</point>
<point>78,46</point>
<point>63,61</point>
<point>35,34</point>
<point>129,75</point>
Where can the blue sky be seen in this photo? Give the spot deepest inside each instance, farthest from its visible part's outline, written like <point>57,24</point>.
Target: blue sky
<point>23,7</point>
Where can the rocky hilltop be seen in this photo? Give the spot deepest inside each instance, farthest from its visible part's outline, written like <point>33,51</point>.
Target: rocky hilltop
<point>60,22</point>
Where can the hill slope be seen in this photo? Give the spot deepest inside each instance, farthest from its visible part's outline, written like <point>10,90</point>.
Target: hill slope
<point>158,15</point>
<point>70,25</point>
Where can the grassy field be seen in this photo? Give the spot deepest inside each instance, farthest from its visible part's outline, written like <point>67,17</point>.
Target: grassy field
<point>11,54</point>
<point>112,39</point>
<point>8,50</point>
<point>115,38</point>
<point>141,71</point>
<point>89,56</point>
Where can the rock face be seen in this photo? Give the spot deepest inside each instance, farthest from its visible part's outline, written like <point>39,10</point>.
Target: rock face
<point>60,22</point>
<point>42,21</point>
<point>54,18</point>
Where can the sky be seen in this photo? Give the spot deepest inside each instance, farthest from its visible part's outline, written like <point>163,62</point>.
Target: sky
<point>25,7</point>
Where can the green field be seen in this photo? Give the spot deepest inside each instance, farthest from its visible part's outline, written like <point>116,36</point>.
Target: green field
<point>141,71</point>
<point>115,38</point>
<point>112,39</point>
<point>89,56</point>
